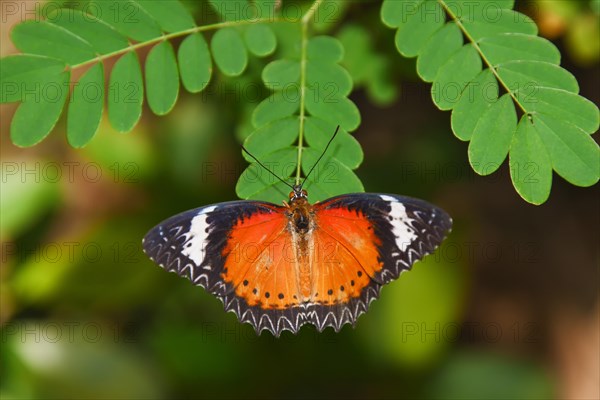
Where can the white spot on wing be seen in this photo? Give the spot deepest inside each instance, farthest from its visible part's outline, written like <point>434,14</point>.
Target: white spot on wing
<point>402,230</point>
<point>195,247</point>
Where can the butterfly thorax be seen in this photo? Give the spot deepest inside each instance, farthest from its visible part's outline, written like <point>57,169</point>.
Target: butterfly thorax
<point>300,215</point>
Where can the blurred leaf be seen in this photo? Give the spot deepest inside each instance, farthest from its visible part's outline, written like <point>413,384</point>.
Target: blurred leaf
<point>416,318</point>
<point>81,360</point>
<point>366,66</point>
<point>24,199</point>
<point>472,375</point>
<point>125,158</point>
<point>583,39</point>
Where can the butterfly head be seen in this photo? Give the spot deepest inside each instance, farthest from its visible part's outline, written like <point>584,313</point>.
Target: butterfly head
<point>298,193</point>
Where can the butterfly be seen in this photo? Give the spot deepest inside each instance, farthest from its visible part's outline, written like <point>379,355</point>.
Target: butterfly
<point>279,267</point>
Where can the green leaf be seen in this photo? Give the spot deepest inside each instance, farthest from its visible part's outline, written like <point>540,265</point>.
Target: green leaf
<point>195,64</point>
<point>329,178</point>
<point>126,93</point>
<point>344,148</point>
<point>281,73</point>
<point>325,49</point>
<point>102,37</point>
<point>562,105</point>
<point>260,40</point>
<point>575,155</point>
<point>492,137</point>
<point>338,110</point>
<point>233,10</point>
<point>24,73</point>
<point>229,51</point>
<point>162,78</point>
<point>454,75</point>
<point>255,179</point>
<point>127,17</point>
<point>418,27</point>
<point>279,105</point>
<point>502,21</point>
<point>171,15</point>
<point>506,47</point>
<point>474,101</point>
<point>35,118</point>
<point>485,374</point>
<point>436,52</point>
<point>530,164</point>
<point>394,12</point>
<point>85,108</point>
<point>272,137</point>
<point>521,74</point>
<point>46,39</point>
<point>328,79</point>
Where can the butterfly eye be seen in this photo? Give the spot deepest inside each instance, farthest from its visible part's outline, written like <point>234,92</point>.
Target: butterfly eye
<point>304,193</point>
<point>292,195</point>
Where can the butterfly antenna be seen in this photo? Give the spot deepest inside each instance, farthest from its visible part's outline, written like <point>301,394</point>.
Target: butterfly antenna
<point>322,154</point>
<point>262,165</point>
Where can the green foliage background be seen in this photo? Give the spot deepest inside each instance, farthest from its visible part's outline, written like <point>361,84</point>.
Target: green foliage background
<point>471,52</point>
<point>85,314</point>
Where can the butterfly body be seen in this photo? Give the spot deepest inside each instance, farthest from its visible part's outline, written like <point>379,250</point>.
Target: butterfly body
<point>281,267</point>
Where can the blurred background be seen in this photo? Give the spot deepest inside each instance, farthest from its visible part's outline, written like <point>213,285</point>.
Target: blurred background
<point>506,308</point>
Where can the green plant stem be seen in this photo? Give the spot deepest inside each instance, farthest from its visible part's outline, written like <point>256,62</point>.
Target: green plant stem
<point>481,54</point>
<point>173,35</point>
<point>305,21</point>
